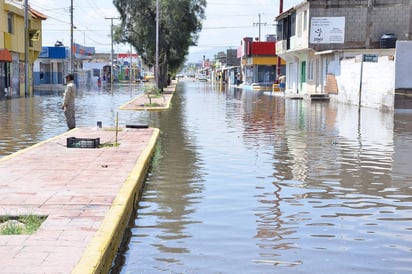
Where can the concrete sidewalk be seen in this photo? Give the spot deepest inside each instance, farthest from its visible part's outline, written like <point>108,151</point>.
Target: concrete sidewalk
<point>158,103</point>
<point>87,195</point>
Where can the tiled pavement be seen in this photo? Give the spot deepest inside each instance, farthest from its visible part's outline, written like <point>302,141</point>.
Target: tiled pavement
<point>86,193</point>
<point>142,102</point>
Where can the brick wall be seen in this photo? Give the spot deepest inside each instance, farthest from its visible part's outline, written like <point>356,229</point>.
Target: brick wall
<point>365,25</point>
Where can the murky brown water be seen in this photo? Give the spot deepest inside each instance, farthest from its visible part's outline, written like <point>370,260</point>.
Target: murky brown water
<point>249,183</point>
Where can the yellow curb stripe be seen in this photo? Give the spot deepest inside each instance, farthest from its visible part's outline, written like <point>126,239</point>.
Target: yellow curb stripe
<point>124,106</point>
<point>103,247</point>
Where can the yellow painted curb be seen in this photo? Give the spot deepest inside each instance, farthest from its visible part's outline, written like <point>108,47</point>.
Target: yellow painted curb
<point>124,105</point>
<point>144,108</point>
<point>103,247</point>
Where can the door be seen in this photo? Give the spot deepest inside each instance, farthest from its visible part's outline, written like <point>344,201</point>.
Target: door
<point>302,75</point>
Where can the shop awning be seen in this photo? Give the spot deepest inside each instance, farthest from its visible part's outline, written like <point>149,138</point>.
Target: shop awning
<point>5,55</point>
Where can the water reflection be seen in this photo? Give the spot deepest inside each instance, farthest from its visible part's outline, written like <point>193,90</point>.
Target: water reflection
<point>250,183</point>
<point>28,120</point>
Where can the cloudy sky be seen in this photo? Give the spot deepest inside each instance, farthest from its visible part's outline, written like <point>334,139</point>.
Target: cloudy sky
<point>227,22</point>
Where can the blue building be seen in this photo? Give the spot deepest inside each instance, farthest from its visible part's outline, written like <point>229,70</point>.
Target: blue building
<point>50,67</point>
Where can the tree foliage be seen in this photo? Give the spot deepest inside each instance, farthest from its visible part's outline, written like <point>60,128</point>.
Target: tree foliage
<point>180,22</point>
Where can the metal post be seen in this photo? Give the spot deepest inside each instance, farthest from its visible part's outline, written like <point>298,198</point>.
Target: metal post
<point>360,84</point>
<point>26,47</point>
<point>130,66</point>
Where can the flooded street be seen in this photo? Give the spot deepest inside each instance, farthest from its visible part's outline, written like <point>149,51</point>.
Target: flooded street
<point>26,121</point>
<point>251,183</point>
<point>247,184</point>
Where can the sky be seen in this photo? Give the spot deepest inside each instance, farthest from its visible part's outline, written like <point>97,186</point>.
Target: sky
<point>226,23</point>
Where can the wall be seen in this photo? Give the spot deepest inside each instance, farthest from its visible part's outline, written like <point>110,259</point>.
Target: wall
<point>364,26</point>
<point>377,85</point>
<point>3,23</point>
<point>403,79</point>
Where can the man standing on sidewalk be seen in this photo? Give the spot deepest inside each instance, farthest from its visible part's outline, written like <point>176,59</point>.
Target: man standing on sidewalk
<point>68,101</point>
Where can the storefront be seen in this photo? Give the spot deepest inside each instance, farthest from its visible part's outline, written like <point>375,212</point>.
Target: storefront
<point>5,60</point>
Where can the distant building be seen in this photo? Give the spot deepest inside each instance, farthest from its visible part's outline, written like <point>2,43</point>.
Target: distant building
<point>51,66</point>
<point>259,63</point>
<point>12,46</point>
<point>231,58</point>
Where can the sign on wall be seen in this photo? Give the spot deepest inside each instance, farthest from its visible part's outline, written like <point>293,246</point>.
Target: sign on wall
<point>327,30</point>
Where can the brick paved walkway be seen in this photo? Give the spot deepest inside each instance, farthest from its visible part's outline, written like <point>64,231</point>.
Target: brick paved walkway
<point>158,103</point>
<point>86,194</point>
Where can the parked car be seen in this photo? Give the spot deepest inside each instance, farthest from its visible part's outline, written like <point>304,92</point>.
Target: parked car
<point>202,78</point>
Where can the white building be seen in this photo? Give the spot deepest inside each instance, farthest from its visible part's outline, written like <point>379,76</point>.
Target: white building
<point>345,50</point>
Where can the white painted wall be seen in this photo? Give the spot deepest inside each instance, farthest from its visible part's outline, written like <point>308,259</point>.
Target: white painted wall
<point>403,78</point>
<point>378,83</point>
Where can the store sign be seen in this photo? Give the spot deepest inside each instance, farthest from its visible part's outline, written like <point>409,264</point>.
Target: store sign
<point>370,58</point>
<point>327,30</point>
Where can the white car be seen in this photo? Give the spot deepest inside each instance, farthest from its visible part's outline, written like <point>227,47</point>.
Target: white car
<point>202,78</point>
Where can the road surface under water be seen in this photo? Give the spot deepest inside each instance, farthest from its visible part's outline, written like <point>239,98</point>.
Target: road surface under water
<point>28,120</point>
<point>249,183</point>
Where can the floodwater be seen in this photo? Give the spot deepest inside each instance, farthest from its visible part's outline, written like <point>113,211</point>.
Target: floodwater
<point>247,183</point>
<point>28,120</point>
<point>250,183</point>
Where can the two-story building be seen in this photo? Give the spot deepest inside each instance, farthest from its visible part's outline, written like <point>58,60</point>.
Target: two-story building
<point>258,63</point>
<point>344,48</point>
<point>12,46</point>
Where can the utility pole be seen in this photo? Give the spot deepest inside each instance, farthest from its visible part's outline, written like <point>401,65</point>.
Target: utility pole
<point>71,39</point>
<point>259,24</point>
<point>279,61</point>
<point>157,45</point>
<point>111,51</point>
<point>26,47</point>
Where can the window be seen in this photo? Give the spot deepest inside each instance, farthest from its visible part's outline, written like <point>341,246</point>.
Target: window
<point>305,20</point>
<point>10,22</point>
<point>299,25</point>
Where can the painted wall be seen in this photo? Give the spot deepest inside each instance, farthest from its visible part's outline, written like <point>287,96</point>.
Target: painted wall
<point>378,83</point>
<point>403,79</point>
<point>3,23</point>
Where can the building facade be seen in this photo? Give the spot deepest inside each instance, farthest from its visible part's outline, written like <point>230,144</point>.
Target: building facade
<point>325,43</point>
<point>13,47</point>
<point>258,63</point>
<point>51,66</point>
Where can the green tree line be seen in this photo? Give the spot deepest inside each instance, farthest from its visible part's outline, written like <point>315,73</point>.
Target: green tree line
<point>180,22</point>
